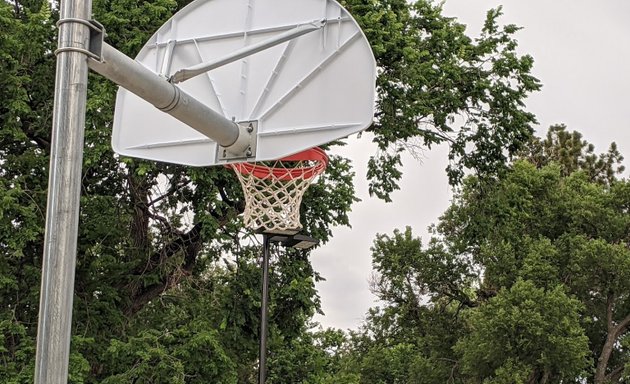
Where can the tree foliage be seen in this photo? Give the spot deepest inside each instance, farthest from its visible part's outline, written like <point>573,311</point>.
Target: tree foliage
<point>525,279</point>
<point>572,153</point>
<point>167,281</point>
<point>525,332</point>
<point>438,85</point>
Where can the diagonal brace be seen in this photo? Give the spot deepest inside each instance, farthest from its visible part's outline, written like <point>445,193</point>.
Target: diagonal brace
<point>189,73</point>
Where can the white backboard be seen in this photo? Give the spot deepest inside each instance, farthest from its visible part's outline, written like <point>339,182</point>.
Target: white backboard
<point>308,91</point>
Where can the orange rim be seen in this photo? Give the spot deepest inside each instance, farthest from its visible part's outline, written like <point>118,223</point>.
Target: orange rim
<point>263,172</point>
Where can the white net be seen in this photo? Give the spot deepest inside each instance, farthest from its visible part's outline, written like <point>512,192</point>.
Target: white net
<point>273,193</point>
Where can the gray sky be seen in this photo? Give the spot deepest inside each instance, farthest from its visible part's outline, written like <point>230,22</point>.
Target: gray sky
<point>581,51</point>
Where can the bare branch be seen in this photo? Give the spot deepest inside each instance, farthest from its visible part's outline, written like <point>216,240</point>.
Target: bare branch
<point>621,327</point>
<point>172,190</point>
<point>615,374</point>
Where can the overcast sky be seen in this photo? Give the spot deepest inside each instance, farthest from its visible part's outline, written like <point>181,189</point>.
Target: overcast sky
<point>582,52</point>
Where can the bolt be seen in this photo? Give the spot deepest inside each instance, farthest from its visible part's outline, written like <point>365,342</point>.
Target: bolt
<point>249,151</point>
<point>224,153</point>
<point>250,128</point>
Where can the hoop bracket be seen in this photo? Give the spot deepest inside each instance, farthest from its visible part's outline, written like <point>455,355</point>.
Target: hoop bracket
<point>245,145</point>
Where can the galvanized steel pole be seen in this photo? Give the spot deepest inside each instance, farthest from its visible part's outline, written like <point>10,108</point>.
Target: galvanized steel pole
<point>62,215</point>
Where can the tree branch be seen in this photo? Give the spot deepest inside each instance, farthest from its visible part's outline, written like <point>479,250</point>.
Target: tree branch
<point>609,313</point>
<point>139,193</point>
<point>174,188</point>
<point>164,222</point>
<point>615,374</point>
<point>607,348</point>
<point>182,241</point>
<point>621,327</point>
<point>545,377</point>
<point>463,299</point>
<point>224,196</point>
<point>188,243</point>
<point>43,143</point>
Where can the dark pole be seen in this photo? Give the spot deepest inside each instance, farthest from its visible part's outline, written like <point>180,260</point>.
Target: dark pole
<point>264,308</point>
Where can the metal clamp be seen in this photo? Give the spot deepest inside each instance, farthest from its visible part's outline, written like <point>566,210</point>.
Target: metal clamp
<point>97,37</point>
<point>245,145</point>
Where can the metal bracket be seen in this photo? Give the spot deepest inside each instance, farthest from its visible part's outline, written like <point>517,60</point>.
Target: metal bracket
<point>167,59</point>
<point>245,147</point>
<point>97,37</point>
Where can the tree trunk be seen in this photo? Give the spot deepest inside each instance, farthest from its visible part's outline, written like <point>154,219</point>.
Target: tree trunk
<point>188,243</point>
<point>545,377</point>
<point>604,357</point>
<point>607,349</point>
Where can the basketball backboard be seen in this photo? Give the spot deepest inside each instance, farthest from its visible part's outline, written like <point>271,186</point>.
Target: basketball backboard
<point>301,93</point>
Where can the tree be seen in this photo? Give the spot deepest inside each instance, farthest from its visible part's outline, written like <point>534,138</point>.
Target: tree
<point>568,150</point>
<point>555,231</point>
<point>525,334</point>
<point>437,85</point>
<point>141,269</point>
<point>411,337</point>
<point>167,282</point>
<point>526,279</point>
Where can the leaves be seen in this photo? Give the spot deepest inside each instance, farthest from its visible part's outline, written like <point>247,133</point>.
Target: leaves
<point>526,326</point>
<point>191,354</point>
<point>167,281</point>
<point>437,85</point>
<point>524,281</point>
<point>571,153</point>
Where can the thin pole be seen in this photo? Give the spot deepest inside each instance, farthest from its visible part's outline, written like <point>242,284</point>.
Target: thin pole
<point>196,70</point>
<point>62,215</point>
<point>264,309</point>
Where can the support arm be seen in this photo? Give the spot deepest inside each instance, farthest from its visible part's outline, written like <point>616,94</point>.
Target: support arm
<point>169,98</point>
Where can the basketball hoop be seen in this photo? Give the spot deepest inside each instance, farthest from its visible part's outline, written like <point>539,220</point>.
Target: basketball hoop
<point>273,190</point>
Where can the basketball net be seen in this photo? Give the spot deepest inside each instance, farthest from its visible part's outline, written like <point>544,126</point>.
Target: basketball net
<point>274,190</point>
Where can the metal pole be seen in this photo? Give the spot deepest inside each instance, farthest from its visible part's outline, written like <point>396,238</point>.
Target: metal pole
<point>196,70</point>
<point>62,215</point>
<point>264,308</point>
<point>142,82</point>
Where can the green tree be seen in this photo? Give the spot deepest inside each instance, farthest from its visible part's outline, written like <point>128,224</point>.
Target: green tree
<point>167,282</point>
<point>555,231</point>
<point>527,335</point>
<point>572,153</point>
<point>438,85</point>
<point>525,279</point>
